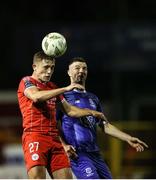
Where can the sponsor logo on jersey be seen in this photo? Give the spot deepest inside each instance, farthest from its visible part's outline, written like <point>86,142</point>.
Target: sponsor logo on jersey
<point>52,100</point>
<point>89,171</point>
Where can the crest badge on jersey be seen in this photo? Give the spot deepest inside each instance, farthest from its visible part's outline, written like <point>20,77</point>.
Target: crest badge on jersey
<point>35,157</point>
<point>89,171</point>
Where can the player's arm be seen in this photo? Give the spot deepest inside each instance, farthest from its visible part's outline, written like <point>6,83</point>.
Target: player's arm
<point>77,112</point>
<point>37,95</point>
<point>132,141</point>
<point>69,149</point>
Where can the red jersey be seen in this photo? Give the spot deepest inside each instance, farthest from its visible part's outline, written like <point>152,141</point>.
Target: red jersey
<point>40,116</point>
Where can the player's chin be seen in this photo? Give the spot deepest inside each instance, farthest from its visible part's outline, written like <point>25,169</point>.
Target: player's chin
<point>79,81</point>
<point>47,78</point>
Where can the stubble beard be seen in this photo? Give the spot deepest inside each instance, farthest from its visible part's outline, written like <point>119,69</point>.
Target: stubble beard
<point>80,80</point>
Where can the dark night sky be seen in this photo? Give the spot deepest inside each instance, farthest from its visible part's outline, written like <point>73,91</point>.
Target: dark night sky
<point>116,36</point>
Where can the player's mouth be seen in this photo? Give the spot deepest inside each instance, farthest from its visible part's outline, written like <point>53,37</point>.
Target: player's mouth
<point>47,77</point>
<point>81,77</point>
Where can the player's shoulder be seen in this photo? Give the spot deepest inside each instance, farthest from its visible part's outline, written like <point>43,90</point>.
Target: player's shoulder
<point>26,81</point>
<point>68,93</point>
<point>91,94</point>
<point>26,78</point>
<point>22,82</point>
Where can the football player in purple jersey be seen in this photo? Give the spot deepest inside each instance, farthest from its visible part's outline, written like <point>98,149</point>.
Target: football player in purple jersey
<point>79,136</point>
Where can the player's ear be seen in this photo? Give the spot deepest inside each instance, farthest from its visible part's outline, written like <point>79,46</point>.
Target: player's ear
<point>34,67</point>
<point>68,72</point>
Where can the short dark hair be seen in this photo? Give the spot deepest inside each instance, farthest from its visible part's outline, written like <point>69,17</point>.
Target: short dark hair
<point>41,55</point>
<point>76,59</point>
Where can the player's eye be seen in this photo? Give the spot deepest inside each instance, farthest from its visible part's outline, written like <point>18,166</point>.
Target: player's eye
<point>77,68</point>
<point>52,67</point>
<point>46,67</point>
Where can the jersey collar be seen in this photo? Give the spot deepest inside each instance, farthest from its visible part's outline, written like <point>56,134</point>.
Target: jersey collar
<point>80,91</point>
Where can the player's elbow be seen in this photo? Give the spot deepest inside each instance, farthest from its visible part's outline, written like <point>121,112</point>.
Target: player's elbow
<point>73,113</point>
<point>70,110</point>
<point>36,99</point>
<point>33,97</point>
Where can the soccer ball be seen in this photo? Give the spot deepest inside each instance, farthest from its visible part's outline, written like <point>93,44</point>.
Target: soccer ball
<point>54,44</point>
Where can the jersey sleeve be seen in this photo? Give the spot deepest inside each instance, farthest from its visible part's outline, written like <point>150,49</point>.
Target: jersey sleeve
<point>27,83</point>
<point>24,84</point>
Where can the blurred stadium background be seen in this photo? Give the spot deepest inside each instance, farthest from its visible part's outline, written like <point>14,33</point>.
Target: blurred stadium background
<point>118,38</point>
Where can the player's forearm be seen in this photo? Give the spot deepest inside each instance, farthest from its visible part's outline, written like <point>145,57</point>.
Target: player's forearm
<point>62,141</point>
<point>78,112</point>
<point>46,94</point>
<point>115,132</point>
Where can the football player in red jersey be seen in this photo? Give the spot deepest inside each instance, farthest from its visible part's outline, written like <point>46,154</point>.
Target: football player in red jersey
<point>38,98</point>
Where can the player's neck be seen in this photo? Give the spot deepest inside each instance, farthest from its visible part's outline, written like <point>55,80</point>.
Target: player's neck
<point>81,83</point>
<point>36,78</point>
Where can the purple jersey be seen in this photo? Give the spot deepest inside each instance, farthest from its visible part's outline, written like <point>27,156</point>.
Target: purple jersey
<point>81,132</point>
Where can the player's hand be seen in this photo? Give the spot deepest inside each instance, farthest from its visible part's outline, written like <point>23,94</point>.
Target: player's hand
<point>70,150</point>
<point>74,86</point>
<point>137,144</point>
<point>98,115</point>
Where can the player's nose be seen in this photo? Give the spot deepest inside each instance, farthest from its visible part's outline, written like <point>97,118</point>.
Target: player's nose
<point>49,70</point>
<point>81,70</point>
